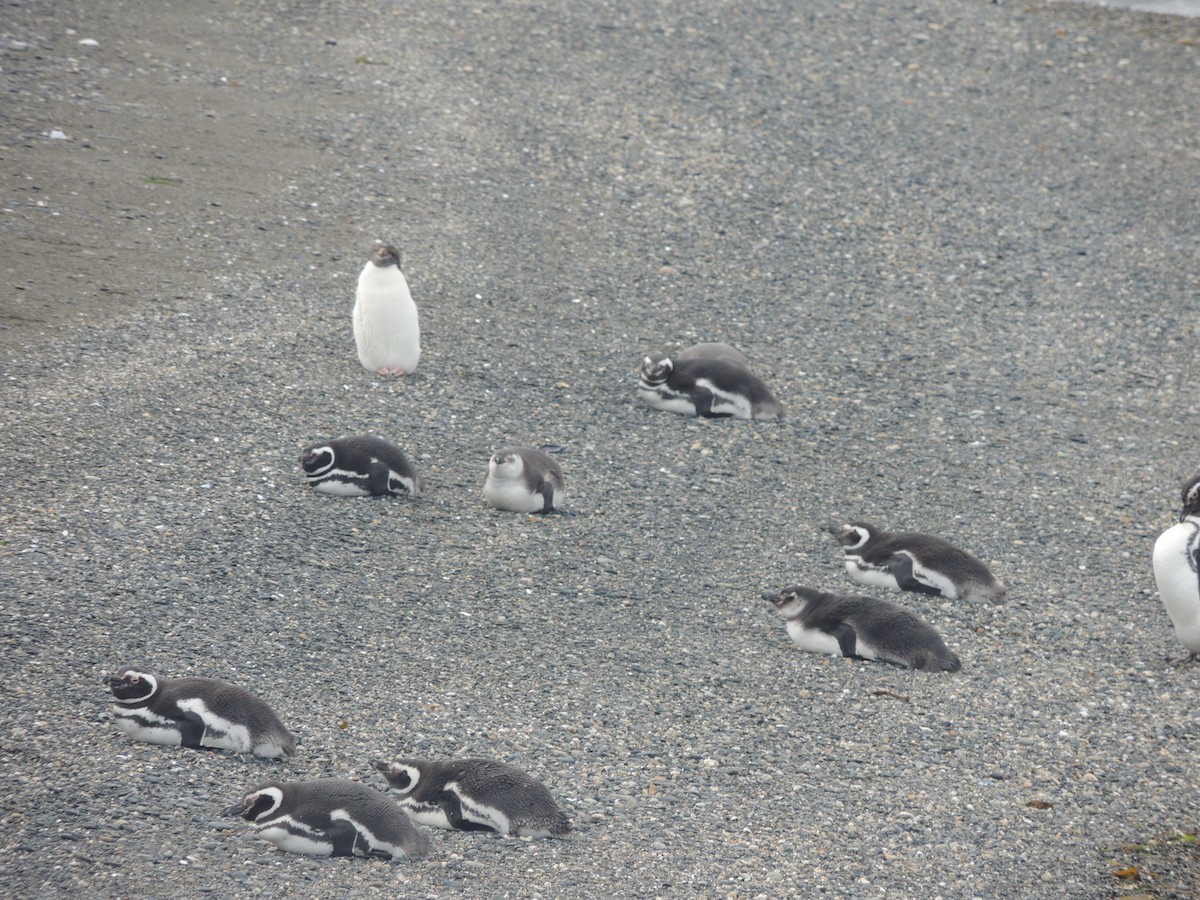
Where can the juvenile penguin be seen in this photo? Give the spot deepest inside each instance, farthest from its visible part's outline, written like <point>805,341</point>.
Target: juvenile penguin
<point>362,466</point>
<point>330,817</point>
<point>474,795</point>
<point>522,479</point>
<point>196,713</point>
<point>1177,571</point>
<point>385,318</point>
<point>861,627</point>
<point>906,561</point>
<point>706,380</point>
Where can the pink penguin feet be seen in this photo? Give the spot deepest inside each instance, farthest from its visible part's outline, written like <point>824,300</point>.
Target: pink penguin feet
<point>388,370</point>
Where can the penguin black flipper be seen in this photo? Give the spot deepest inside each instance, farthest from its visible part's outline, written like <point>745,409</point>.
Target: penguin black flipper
<point>452,807</point>
<point>378,479</point>
<point>191,731</point>
<point>847,639</point>
<point>901,567</point>
<point>344,837</point>
<point>546,489</point>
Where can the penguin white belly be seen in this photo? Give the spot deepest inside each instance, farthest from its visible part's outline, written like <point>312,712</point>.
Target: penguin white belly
<point>514,496</point>
<point>865,573</point>
<point>668,401</point>
<point>1178,581</point>
<point>386,328</point>
<point>285,837</point>
<point>813,640</point>
<point>426,814</point>
<point>481,813</point>
<point>339,488</point>
<point>143,725</point>
<point>726,403</point>
<point>219,733</point>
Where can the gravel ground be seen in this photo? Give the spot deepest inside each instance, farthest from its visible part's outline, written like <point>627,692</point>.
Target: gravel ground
<point>960,241</point>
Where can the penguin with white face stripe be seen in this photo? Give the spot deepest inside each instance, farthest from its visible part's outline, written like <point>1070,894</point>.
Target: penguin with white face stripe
<point>362,466</point>
<point>474,795</point>
<point>1177,572</point>
<point>908,561</point>
<point>861,628</point>
<point>521,479</point>
<point>330,817</point>
<point>711,380</point>
<point>198,713</point>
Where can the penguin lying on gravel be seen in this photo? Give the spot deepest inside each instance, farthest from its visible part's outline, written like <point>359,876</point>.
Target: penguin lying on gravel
<point>196,713</point>
<point>1177,572</point>
<point>710,380</point>
<point>862,628</point>
<point>474,795</point>
<point>362,466</point>
<point>521,479</point>
<point>330,817</point>
<point>907,561</point>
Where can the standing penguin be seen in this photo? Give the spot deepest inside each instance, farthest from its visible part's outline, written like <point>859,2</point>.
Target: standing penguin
<point>907,561</point>
<point>474,795</point>
<point>385,318</point>
<point>710,380</point>
<point>362,466</point>
<point>196,713</point>
<point>330,817</point>
<point>1177,571</point>
<point>862,628</point>
<point>522,479</point>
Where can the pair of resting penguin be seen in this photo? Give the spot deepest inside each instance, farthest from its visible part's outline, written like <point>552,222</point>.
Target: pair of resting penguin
<point>333,816</point>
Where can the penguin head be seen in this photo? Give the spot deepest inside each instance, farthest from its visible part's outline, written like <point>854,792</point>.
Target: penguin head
<point>130,685</point>
<point>384,255</point>
<point>506,463</point>
<point>259,803</point>
<point>317,458</point>
<point>656,368</point>
<point>789,602</point>
<point>1191,498</point>
<point>852,535</point>
<point>401,774</point>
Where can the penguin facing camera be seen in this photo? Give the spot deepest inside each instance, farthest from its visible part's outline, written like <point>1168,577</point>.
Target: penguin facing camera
<point>861,628</point>
<point>362,466</point>
<point>330,817</point>
<point>197,713</point>
<point>521,479</point>
<point>386,329</point>
<point>1176,563</point>
<point>474,795</point>
<point>908,561</point>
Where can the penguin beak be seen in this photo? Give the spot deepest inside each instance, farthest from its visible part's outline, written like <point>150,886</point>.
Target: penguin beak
<point>834,528</point>
<point>237,810</point>
<point>380,765</point>
<point>771,596</point>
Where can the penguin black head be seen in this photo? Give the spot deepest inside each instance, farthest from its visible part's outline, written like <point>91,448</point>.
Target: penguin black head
<point>401,777</point>
<point>852,535</point>
<point>259,803</point>
<point>316,458</point>
<point>132,686</point>
<point>1191,498</point>
<point>385,255</point>
<point>656,368</point>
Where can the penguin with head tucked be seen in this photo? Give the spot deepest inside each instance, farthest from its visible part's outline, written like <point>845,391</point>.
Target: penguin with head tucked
<point>330,817</point>
<point>362,466</point>
<point>474,795</point>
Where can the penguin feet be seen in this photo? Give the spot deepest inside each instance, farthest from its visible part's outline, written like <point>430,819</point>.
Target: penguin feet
<point>390,371</point>
<point>1185,659</point>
